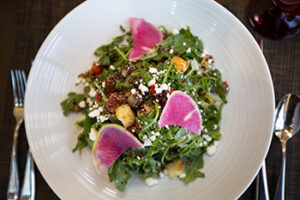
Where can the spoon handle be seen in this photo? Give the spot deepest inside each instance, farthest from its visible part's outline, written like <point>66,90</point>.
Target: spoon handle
<point>279,194</point>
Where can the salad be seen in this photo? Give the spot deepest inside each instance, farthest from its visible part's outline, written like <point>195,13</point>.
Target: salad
<point>152,103</point>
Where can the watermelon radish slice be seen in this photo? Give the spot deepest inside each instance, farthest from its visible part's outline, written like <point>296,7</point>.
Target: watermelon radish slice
<point>145,37</point>
<point>181,110</point>
<point>111,141</point>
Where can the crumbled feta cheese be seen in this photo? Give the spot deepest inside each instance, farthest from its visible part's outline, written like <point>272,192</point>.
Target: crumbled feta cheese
<point>92,92</point>
<point>147,142</point>
<point>157,133</point>
<point>175,32</point>
<point>207,138</point>
<point>103,118</point>
<point>203,54</point>
<point>189,50</point>
<point>100,109</point>
<point>204,143</point>
<point>103,84</point>
<point>144,137</point>
<point>82,104</point>
<point>211,150</point>
<point>168,95</point>
<point>133,91</point>
<point>167,126</point>
<point>143,88</point>
<point>112,67</point>
<point>95,105</point>
<point>158,90</point>
<point>138,157</point>
<point>151,181</point>
<point>184,44</point>
<point>93,134</point>
<point>152,70</point>
<point>182,175</point>
<point>215,126</point>
<point>151,82</point>
<point>78,81</point>
<point>94,113</point>
<point>152,138</point>
<point>164,86</point>
<point>171,51</point>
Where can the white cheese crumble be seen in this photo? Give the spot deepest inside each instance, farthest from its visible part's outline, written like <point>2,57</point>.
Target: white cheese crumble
<point>160,88</point>
<point>189,50</point>
<point>151,181</point>
<point>184,44</point>
<point>112,67</point>
<point>94,113</point>
<point>103,84</point>
<point>143,88</point>
<point>152,70</point>
<point>175,32</point>
<point>133,91</point>
<point>152,138</point>
<point>182,175</point>
<point>93,134</point>
<point>147,142</point>
<point>92,92</point>
<point>82,104</point>
<point>103,118</point>
<point>151,82</point>
<point>144,137</point>
<point>211,149</point>
<point>171,51</point>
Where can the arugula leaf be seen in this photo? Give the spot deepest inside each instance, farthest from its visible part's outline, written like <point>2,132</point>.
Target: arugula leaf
<point>120,174</point>
<point>83,139</point>
<point>192,166</point>
<point>68,104</point>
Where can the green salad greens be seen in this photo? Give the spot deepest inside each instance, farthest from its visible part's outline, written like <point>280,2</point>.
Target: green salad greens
<point>178,63</point>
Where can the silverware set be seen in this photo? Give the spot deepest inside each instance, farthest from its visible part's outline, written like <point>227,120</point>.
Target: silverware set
<point>18,78</point>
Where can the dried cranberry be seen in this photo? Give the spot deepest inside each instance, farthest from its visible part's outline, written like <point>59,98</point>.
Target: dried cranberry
<point>225,84</point>
<point>96,70</point>
<point>152,90</point>
<point>98,97</point>
<point>171,90</point>
<point>137,126</point>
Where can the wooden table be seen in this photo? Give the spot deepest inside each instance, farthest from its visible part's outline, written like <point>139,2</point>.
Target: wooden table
<point>24,26</point>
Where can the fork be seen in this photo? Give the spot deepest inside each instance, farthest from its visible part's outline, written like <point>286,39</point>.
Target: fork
<point>18,78</point>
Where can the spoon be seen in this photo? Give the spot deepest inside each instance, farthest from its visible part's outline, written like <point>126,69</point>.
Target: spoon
<point>287,124</point>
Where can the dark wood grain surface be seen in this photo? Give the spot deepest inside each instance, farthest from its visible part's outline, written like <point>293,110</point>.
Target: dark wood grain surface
<point>24,25</point>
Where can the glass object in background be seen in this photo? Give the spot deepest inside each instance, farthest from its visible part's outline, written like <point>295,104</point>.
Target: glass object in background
<point>275,18</point>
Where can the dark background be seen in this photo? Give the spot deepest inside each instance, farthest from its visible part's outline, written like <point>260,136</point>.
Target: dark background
<point>24,24</point>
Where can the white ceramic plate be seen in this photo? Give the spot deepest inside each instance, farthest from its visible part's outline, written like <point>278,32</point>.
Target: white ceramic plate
<point>68,50</point>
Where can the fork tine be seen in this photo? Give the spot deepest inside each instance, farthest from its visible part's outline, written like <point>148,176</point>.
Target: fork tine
<point>18,88</point>
<point>13,82</point>
<point>24,78</point>
<point>21,86</point>
<point>23,75</point>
